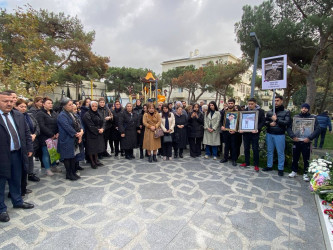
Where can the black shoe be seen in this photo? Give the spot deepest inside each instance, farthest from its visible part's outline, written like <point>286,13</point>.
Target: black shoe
<point>116,154</point>
<point>267,169</point>
<point>154,158</point>
<point>150,158</point>
<point>122,154</point>
<point>4,217</point>
<point>24,205</point>
<point>128,157</point>
<point>79,168</point>
<point>175,156</point>
<point>234,163</point>
<point>141,156</point>
<point>94,166</point>
<point>280,173</point>
<point>33,177</point>
<point>132,157</point>
<point>223,161</point>
<point>71,177</point>
<point>99,164</point>
<point>181,156</point>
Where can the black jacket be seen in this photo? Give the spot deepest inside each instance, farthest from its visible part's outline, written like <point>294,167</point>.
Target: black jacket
<point>282,122</point>
<point>315,132</point>
<point>196,125</point>
<point>47,124</point>
<point>25,141</point>
<point>104,112</point>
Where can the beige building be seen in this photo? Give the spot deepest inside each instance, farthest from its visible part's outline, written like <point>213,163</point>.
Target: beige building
<point>241,90</point>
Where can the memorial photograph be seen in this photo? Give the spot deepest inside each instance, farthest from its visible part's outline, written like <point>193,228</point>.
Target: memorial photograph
<point>231,121</point>
<point>303,127</point>
<point>248,121</point>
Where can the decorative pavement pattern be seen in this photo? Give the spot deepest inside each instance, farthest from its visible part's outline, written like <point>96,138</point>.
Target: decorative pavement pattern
<point>184,204</point>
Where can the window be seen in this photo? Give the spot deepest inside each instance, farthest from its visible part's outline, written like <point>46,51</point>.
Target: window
<point>180,90</point>
<point>266,103</point>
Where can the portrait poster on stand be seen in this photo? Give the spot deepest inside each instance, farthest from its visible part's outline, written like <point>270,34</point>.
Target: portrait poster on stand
<point>274,72</point>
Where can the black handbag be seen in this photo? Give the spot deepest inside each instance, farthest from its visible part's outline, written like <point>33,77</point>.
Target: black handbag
<point>167,138</point>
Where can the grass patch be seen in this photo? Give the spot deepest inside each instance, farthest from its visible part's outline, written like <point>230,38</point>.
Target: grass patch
<point>328,144</point>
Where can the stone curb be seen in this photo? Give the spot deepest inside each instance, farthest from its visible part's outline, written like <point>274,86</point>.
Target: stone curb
<point>326,225</point>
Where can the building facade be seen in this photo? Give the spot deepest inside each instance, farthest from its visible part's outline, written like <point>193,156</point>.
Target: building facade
<point>240,90</point>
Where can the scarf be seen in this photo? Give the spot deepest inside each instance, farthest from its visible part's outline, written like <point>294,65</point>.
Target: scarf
<point>212,113</point>
<point>29,122</point>
<point>166,116</point>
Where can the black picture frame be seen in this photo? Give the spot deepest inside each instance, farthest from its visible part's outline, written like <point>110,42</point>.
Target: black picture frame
<point>248,121</point>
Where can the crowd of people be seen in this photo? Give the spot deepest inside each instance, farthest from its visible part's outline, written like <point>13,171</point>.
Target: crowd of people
<point>85,130</point>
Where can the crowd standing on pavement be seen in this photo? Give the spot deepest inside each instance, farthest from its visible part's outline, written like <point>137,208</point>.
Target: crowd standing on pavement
<point>84,129</point>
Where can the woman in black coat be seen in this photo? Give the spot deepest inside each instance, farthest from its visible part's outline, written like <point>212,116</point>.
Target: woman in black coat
<point>93,124</point>
<point>47,120</point>
<point>129,127</point>
<point>142,130</point>
<point>115,134</point>
<point>21,106</point>
<point>195,131</point>
<point>179,139</point>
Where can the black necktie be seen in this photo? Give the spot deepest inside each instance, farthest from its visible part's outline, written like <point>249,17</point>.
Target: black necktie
<point>12,132</point>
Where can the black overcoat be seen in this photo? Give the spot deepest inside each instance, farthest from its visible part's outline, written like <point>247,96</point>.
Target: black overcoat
<point>180,135</point>
<point>115,135</point>
<point>25,141</point>
<point>95,141</point>
<point>128,124</point>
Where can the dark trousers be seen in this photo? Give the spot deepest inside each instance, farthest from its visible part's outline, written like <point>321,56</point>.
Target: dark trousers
<point>167,149</point>
<point>24,181</point>
<point>176,148</point>
<point>14,182</point>
<point>250,138</point>
<point>107,135</point>
<point>116,146</point>
<point>231,144</point>
<point>298,148</point>
<point>322,138</point>
<point>195,146</point>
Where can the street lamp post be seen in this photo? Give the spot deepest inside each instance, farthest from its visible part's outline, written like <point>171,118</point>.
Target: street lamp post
<point>256,43</point>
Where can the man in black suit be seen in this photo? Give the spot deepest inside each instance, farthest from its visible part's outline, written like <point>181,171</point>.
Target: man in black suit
<point>15,148</point>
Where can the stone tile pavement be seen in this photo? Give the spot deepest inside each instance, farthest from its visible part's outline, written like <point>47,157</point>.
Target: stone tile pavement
<point>184,204</point>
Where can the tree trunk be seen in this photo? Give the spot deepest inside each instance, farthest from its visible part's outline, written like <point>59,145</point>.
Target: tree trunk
<point>171,88</point>
<point>311,90</point>
<point>219,101</point>
<point>216,96</point>
<point>327,87</point>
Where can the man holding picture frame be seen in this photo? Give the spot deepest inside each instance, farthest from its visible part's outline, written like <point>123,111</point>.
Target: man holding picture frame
<point>303,130</point>
<point>250,124</point>
<point>229,120</point>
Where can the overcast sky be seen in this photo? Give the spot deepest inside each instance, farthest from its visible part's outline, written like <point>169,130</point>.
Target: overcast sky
<point>144,33</point>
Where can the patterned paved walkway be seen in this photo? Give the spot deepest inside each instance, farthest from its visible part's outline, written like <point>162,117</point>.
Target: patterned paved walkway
<point>183,204</point>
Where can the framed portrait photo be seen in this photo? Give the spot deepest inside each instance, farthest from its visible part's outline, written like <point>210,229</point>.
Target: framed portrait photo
<point>303,127</point>
<point>231,121</point>
<point>248,121</point>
